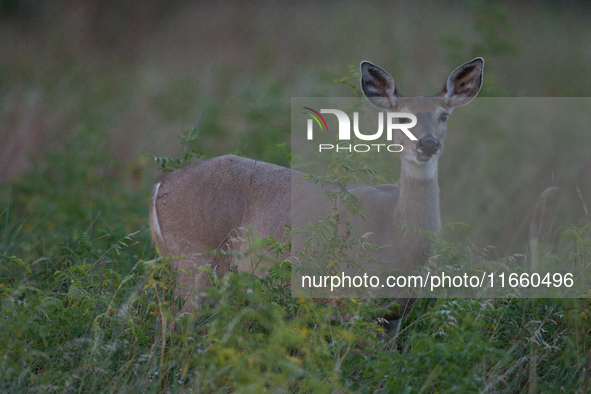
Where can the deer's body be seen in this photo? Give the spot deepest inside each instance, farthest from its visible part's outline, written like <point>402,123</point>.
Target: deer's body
<point>206,206</point>
<point>206,184</point>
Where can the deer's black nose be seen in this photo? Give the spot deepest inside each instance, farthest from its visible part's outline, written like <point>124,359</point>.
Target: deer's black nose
<point>428,146</point>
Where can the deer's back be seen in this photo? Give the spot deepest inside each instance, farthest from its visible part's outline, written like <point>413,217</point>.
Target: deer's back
<point>205,206</point>
<point>202,205</point>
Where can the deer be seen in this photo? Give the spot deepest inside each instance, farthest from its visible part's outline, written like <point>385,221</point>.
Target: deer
<point>203,208</point>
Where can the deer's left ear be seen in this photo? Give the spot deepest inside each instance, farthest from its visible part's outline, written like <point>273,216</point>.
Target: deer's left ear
<point>464,83</point>
<point>378,86</point>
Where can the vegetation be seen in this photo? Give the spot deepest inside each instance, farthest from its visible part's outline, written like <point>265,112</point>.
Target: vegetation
<point>86,305</point>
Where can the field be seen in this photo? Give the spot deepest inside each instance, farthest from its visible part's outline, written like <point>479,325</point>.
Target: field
<point>91,93</point>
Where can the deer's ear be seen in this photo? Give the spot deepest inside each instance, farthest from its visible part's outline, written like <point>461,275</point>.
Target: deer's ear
<point>464,83</point>
<point>378,86</point>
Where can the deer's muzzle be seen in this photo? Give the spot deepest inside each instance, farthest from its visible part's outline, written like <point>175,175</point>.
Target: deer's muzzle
<point>427,147</point>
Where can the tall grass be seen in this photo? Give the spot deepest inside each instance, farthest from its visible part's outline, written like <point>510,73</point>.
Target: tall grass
<point>86,307</point>
<point>141,73</point>
<point>85,303</point>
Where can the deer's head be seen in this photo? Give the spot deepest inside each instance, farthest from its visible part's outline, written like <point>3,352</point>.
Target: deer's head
<point>420,157</point>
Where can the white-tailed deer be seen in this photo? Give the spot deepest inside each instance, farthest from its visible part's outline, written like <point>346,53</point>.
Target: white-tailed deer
<point>206,206</point>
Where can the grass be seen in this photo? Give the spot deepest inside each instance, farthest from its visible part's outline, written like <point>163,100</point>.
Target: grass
<point>85,303</point>
<point>70,71</point>
<point>86,307</point>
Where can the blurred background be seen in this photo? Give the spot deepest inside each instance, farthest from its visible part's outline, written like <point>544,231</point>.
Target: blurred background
<point>90,91</point>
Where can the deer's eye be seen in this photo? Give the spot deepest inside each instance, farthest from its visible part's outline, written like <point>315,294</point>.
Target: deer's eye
<point>443,117</point>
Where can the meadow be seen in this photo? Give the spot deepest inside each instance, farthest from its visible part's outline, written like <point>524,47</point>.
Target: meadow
<point>91,93</point>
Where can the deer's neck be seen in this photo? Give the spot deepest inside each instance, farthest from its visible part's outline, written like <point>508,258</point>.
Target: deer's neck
<point>418,203</point>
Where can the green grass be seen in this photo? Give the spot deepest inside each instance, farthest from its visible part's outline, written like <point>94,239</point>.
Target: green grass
<point>85,303</point>
<point>86,307</point>
<point>143,75</point>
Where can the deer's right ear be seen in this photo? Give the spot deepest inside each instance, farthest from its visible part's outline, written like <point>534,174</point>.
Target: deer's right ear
<point>378,86</point>
<point>464,83</point>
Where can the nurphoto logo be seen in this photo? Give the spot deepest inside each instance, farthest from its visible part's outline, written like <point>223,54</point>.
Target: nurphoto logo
<point>408,121</point>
